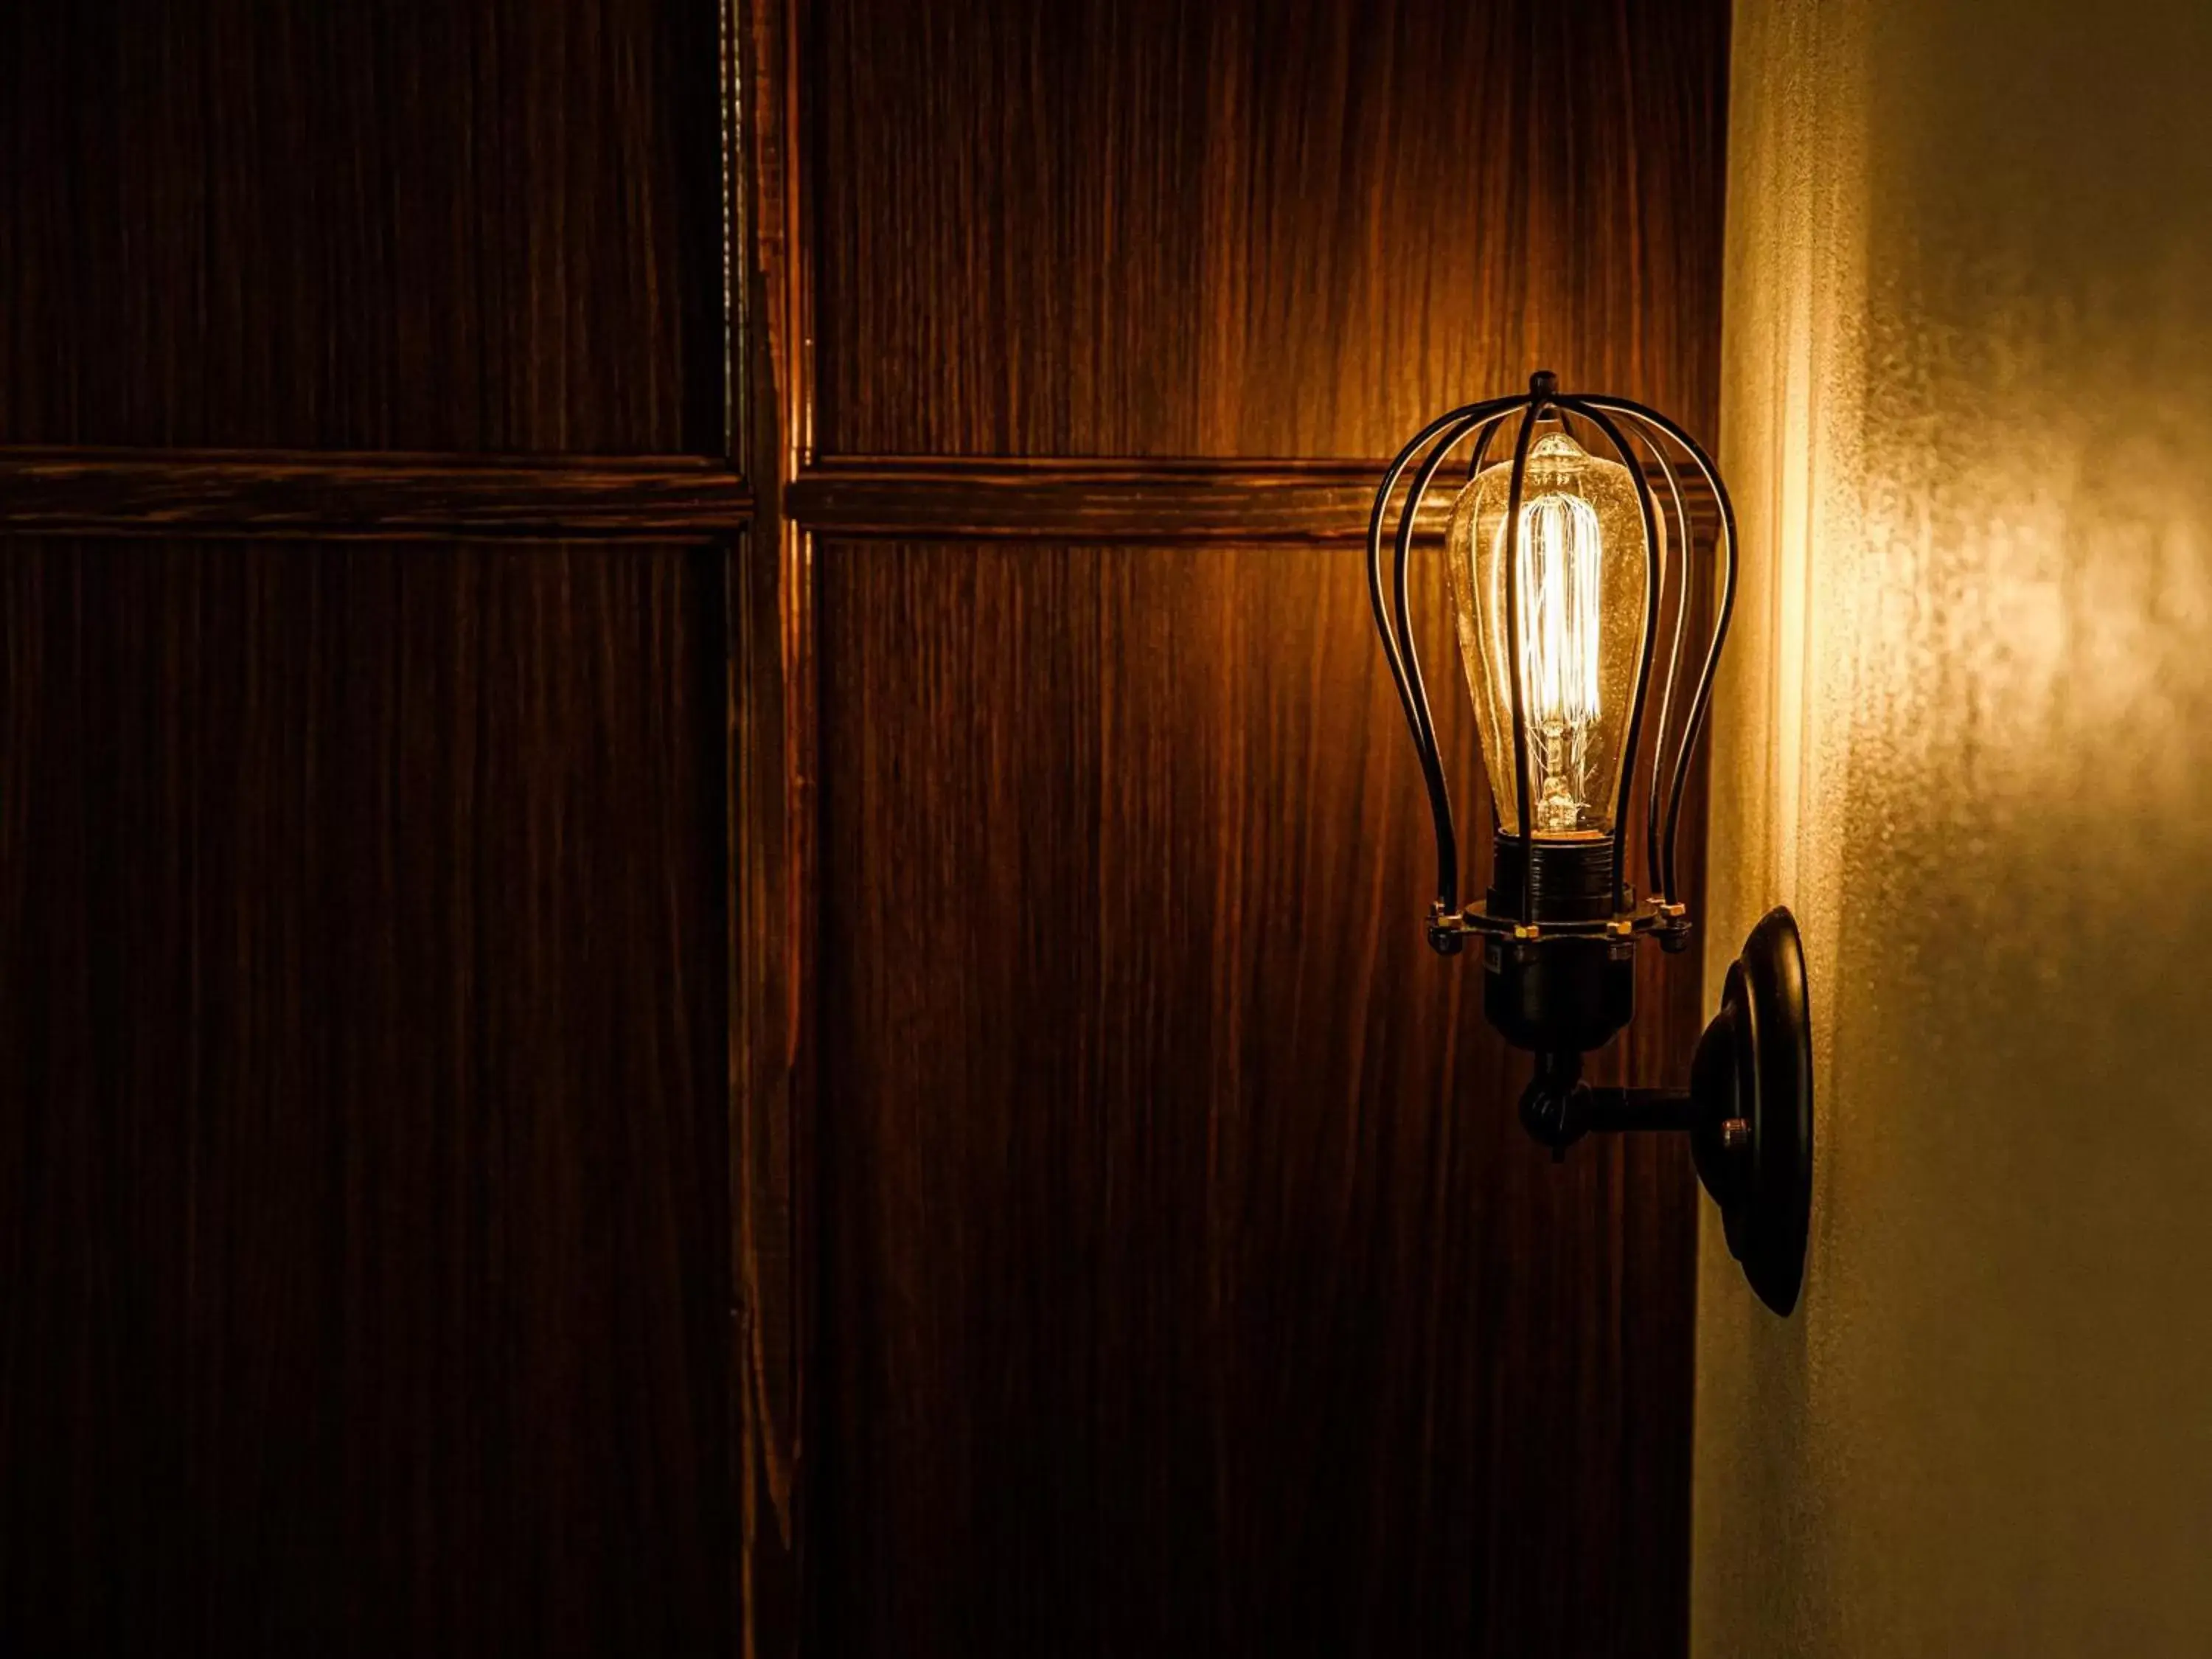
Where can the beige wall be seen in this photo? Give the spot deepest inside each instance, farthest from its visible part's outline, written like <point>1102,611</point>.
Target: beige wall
<point>1967,732</point>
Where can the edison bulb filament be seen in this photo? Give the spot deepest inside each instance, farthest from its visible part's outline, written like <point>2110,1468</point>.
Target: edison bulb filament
<point>1578,561</point>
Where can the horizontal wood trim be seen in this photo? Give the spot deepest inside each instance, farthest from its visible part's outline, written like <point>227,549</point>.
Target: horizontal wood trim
<point>1089,501</point>
<point>394,496</point>
<point>397,496</point>
<point>1165,501</point>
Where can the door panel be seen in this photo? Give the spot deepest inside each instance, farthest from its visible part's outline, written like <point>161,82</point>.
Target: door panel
<point>1255,228</point>
<point>1183,1281</point>
<point>363,1278</point>
<point>1187,1282</point>
<point>489,226</point>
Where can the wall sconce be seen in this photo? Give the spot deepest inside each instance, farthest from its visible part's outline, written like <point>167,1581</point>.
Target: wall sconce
<point>1560,578</point>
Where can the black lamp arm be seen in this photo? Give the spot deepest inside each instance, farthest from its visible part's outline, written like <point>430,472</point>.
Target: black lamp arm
<point>1748,1110</point>
<point>1619,1111</point>
<point>1557,1108</point>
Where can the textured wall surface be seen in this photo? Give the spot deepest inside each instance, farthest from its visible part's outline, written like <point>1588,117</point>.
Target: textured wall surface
<point>1967,384</point>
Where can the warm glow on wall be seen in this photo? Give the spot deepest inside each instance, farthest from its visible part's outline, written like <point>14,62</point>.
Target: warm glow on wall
<point>1966,733</point>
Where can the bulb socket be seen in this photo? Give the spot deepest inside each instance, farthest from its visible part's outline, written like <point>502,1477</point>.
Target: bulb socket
<point>1551,880</point>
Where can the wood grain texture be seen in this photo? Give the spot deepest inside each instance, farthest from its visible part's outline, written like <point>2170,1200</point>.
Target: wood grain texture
<point>384,494</point>
<point>363,1275</point>
<point>1251,228</point>
<point>492,225</point>
<point>1184,1284</point>
<point>776,898</point>
<point>1264,503</point>
<point>1188,1285</point>
<point>771,861</point>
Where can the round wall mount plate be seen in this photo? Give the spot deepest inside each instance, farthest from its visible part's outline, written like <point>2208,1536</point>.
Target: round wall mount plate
<point>1773,1020</point>
<point>1759,1050</point>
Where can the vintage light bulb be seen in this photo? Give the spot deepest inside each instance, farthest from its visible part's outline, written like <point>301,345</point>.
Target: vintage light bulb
<point>1582,561</point>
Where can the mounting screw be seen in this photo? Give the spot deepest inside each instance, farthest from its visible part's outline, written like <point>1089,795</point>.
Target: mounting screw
<point>1735,1135</point>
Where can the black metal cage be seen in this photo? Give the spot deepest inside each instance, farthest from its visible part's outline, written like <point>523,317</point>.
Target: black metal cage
<point>1649,445</point>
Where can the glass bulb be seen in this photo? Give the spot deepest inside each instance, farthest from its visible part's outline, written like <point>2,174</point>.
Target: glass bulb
<point>1583,561</point>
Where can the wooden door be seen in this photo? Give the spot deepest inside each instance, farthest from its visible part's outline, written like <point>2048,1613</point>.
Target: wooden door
<point>365,1278</point>
<point>1182,1281</point>
<point>707,899</point>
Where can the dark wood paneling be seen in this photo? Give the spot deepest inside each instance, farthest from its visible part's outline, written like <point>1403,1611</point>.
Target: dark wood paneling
<point>1187,1284</point>
<point>170,492</point>
<point>364,1281</point>
<point>374,225</point>
<point>1091,227</point>
<point>1264,503</point>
